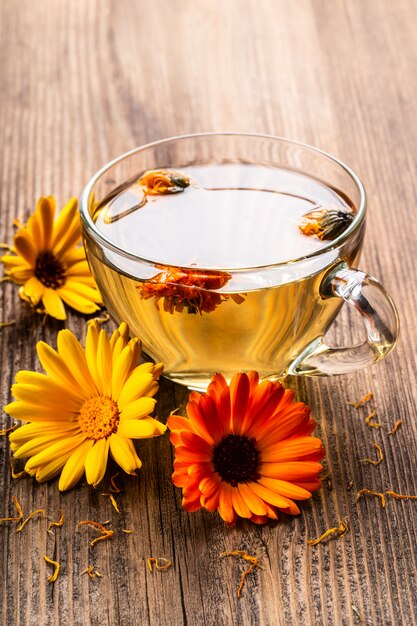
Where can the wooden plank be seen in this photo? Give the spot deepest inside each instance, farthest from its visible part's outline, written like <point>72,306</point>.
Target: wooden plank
<point>82,82</point>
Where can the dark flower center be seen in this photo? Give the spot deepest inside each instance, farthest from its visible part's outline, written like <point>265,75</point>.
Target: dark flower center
<point>49,270</point>
<point>236,459</point>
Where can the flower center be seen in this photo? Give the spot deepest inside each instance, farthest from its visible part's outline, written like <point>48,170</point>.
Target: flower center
<point>236,459</point>
<point>49,270</point>
<point>99,417</point>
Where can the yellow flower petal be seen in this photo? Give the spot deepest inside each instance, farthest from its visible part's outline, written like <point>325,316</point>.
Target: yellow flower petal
<point>33,290</point>
<point>78,270</point>
<point>43,390</point>
<point>25,247</point>
<point>66,228</point>
<point>53,304</point>
<point>91,343</point>
<point>51,469</point>
<point>35,412</point>
<point>137,385</point>
<point>124,453</point>
<point>73,354</point>
<point>121,370</point>
<point>103,364</point>
<point>35,231</point>
<point>79,303</point>
<point>138,408</point>
<point>55,451</point>
<point>81,289</point>
<point>35,446</point>
<point>141,429</point>
<point>20,274</point>
<point>36,429</point>
<point>45,211</point>
<point>96,462</point>
<point>74,467</point>
<point>57,369</point>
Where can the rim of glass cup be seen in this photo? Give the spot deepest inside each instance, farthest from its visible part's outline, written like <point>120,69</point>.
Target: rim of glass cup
<point>98,236</point>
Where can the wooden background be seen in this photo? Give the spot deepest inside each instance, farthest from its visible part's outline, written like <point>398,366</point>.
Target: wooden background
<point>83,81</point>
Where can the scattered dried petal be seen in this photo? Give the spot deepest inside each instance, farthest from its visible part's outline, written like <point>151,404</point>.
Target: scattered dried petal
<point>399,496</point>
<point>100,320</point>
<point>52,577</point>
<point>152,560</point>
<point>92,573</point>
<point>113,486</point>
<point>380,456</point>
<point>127,531</point>
<point>396,427</point>
<point>38,512</point>
<point>97,526</point>
<point>363,400</point>
<point>338,531</point>
<point>112,500</point>
<point>59,523</point>
<point>253,560</point>
<point>19,511</point>
<point>12,322</point>
<point>369,417</point>
<point>7,430</point>
<point>13,472</point>
<point>371,493</point>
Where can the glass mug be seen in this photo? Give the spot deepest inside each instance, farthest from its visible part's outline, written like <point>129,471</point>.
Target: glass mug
<point>268,316</point>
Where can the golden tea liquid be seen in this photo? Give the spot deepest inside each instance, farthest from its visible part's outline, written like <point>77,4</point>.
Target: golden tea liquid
<point>222,318</point>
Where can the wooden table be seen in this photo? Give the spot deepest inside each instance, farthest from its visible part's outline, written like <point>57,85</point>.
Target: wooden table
<point>83,81</point>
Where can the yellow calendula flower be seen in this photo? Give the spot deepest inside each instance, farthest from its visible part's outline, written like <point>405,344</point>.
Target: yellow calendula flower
<point>92,401</point>
<point>48,262</point>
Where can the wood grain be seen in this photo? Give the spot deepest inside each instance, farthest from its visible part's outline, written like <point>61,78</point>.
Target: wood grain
<point>81,82</point>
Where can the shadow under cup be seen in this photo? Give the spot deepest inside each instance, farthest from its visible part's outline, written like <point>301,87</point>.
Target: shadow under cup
<point>270,318</point>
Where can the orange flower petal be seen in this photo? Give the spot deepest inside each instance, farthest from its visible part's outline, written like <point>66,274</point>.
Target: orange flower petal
<point>226,510</point>
<point>293,471</point>
<point>302,448</point>
<point>184,454</point>
<point>196,443</point>
<point>198,422</point>
<point>271,497</point>
<point>239,504</point>
<point>285,488</point>
<point>239,398</point>
<point>256,504</point>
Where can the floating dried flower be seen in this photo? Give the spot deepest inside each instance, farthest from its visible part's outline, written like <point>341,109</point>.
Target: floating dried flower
<point>245,450</point>
<point>188,289</point>
<point>336,533</point>
<point>396,427</point>
<point>380,456</point>
<point>92,573</point>
<point>19,512</point>
<point>91,402</point>
<point>56,524</point>
<point>362,492</point>
<point>326,222</point>
<point>160,564</point>
<point>363,400</point>
<point>48,265</point>
<point>161,182</point>
<point>52,578</point>
<point>253,560</point>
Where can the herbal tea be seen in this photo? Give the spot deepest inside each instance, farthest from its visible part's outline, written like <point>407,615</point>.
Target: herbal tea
<point>223,218</point>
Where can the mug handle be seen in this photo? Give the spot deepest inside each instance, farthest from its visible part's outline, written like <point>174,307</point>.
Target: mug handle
<point>379,316</point>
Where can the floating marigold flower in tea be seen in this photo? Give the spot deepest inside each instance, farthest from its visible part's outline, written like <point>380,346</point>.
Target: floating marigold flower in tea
<point>188,289</point>
<point>161,182</point>
<point>326,222</point>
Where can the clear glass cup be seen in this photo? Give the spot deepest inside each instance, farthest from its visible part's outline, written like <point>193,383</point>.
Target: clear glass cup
<point>285,308</point>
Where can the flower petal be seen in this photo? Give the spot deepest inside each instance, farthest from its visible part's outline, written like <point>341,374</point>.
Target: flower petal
<point>141,429</point>
<point>73,354</point>
<point>53,304</point>
<point>25,247</point>
<point>77,302</point>
<point>104,363</point>
<point>55,451</point>
<point>45,212</point>
<point>33,290</point>
<point>293,471</point>
<point>255,504</point>
<point>124,453</point>
<point>226,510</point>
<point>121,370</point>
<point>285,488</point>
<point>239,504</point>
<point>74,467</point>
<point>298,448</point>
<point>239,398</point>
<point>271,497</point>
<point>96,462</point>
<point>138,384</point>
<point>138,409</point>
<point>57,369</point>
<point>51,469</point>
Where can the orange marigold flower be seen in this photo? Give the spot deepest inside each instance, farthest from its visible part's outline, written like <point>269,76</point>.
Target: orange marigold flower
<point>245,450</point>
<point>188,288</point>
